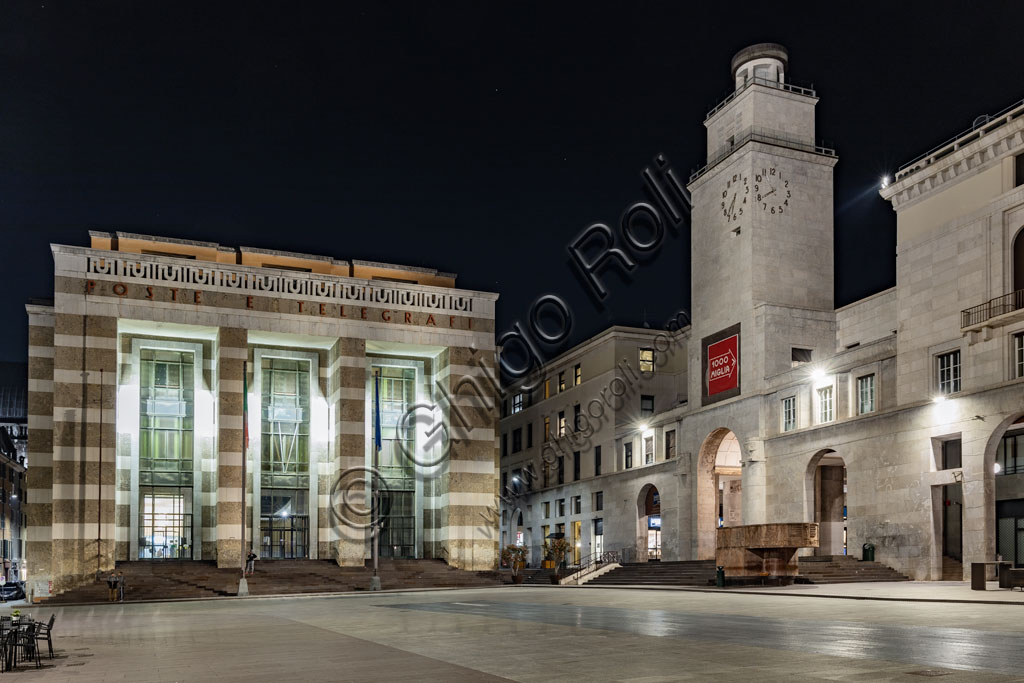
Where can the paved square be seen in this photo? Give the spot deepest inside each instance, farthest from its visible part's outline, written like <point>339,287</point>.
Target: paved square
<point>537,634</point>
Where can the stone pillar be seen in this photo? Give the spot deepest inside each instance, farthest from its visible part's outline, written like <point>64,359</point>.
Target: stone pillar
<point>473,478</point>
<point>83,346</point>
<point>754,489</point>
<point>39,493</point>
<point>349,531</point>
<point>232,352</point>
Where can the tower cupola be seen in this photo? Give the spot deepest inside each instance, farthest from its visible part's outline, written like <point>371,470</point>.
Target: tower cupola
<point>764,62</point>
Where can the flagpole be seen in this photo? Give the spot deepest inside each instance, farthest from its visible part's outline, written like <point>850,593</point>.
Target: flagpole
<point>243,585</point>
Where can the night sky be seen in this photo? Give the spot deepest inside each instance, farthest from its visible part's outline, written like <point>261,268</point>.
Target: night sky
<point>479,138</point>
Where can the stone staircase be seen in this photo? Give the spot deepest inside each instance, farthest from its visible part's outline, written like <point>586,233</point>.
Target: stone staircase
<point>845,569</point>
<point>952,570</point>
<point>538,577</point>
<point>173,579</point>
<point>687,573</point>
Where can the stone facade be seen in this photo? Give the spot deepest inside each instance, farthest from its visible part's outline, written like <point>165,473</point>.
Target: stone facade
<point>883,421</point>
<point>227,310</point>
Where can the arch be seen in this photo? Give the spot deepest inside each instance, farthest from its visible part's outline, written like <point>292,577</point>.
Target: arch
<point>1018,261</point>
<point>648,506</point>
<point>825,487</point>
<point>1014,421</point>
<point>719,456</point>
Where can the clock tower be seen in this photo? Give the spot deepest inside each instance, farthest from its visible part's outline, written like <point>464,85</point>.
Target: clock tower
<point>761,242</point>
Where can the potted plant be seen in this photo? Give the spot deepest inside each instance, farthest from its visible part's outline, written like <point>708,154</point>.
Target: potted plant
<point>515,557</point>
<point>556,550</point>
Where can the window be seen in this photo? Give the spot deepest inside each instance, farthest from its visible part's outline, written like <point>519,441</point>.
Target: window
<point>1018,353</point>
<point>561,381</point>
<point>577,375</point>
<point>504,445</point>
<point>598,501</point>
<point>597,460</point>
<point>646,360</point>
<point>577,505</point>
<point>628,454</point>
<point>547,429</point>
<point>1019,180</point>
<point>517,439</point>
<point>670,444</point>
<point>561,423</point>
<point>504,482</point>
<point>575,465</point>
<point>646,405</point>
<point>561,469</point>
<point>576,417</point>
<point>504,408</point>
<point>826,410</point>
<point>547,508</point>
<point>789,414</point>
<point>529,435</point>
<point>649,450</point>
<point>801,356</point>
<point>865,394</point>
<point>517,403</point>
<point>547,388</point>
<point>560,507</point>
<point>1010,454</point>
<point>949,372</point>
<point>951,454</point>
<point>517,481</point>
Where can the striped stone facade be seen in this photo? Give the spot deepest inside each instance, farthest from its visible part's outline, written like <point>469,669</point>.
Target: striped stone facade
<point>109,305</point>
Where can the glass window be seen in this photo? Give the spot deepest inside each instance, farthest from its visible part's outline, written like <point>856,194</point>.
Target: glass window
<point>598,501</point>
<point>561,469</point>
<point>547,509</point>
<point>646,360</point>
<point>597,460</point>
<point>865,394</point>
<point>575,465</point>
<point>504,445</point>
<point>801,356</point>
<point>646,406</point>
<point>517,439</point>
<point>561,423</point>
<point>529,435</point>
<point>649,450</point>
<point>1018,353</point>
<point>627,452</point>
<point>826,410</point>
<point>560,507</point>
<point>397,394</point>
<point>951,454</point>
<point>547,429</point>
<point>670,444</point>
<point>949,372</point>
<point>789,414</point>
<point>1010,454</point>
<point>577,505</point>
<point>561,381</point>
<point>576,417</point>
<point>547,388</point>
<point>577,375</point>
<point>517,403</point>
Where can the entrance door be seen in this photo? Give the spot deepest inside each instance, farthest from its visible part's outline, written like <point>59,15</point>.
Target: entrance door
<point>952,521</point>
<point>166,524</point>
<point>653,544</point>
<point>577,533</point>
<point>397,392</point>
<point>599,536</point>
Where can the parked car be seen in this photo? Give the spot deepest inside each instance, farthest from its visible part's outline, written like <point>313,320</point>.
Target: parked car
<point>12,590</point>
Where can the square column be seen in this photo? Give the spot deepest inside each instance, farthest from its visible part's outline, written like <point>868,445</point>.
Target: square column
<point>232,352</point>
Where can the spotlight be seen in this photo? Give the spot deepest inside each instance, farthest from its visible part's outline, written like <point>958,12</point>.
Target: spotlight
<point>939,399</point>
<point>885,182</point>
<point>998,468</point>
<point>643,426</point>
<point>818,374</point>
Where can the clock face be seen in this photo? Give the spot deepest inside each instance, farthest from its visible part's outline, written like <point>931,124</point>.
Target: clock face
<point>772,192</point>
<point>736,197</point>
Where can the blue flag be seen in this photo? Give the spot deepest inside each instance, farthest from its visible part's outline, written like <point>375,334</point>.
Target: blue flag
<point>376,411</point>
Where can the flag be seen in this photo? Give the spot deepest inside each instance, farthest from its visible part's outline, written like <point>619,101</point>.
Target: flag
<point>376,411</point>
<point>245,407</point>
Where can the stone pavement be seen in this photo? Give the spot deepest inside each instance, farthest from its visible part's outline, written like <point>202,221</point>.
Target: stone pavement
<point>537,634</point>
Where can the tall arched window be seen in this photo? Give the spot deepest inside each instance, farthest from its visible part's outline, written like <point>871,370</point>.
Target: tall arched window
<point>1018,262</point>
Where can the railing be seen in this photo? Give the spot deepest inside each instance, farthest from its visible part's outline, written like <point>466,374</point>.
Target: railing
<point>954,143</point>
<point>1007,303</point>
<point>767,135</point>
<point>788,87</point>
<point>592,563</point>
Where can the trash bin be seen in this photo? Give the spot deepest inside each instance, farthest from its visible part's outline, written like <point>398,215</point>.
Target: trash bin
<point>868,552</point>
<point>720,577</point>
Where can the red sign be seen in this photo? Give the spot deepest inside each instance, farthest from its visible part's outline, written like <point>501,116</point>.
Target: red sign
<point>723,365</point>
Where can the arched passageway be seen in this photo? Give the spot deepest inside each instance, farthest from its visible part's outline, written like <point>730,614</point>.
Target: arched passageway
<point>827,482</point>
<point>719,489</point>
<point>648,506</point>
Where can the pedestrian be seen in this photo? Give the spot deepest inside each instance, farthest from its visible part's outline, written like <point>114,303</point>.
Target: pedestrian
<point>120,586</point>
<point>112,587</point>
<point>250,563</point>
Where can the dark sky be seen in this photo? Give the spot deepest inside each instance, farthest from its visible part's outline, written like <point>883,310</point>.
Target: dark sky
<point>478,138</point>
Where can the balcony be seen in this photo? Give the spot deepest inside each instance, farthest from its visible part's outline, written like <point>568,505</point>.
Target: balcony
<point>788,87</point>
<point>768,136</point>
<point>1001,305</point>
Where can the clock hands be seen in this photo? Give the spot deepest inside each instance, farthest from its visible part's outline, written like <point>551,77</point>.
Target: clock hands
<point>772,192</point>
